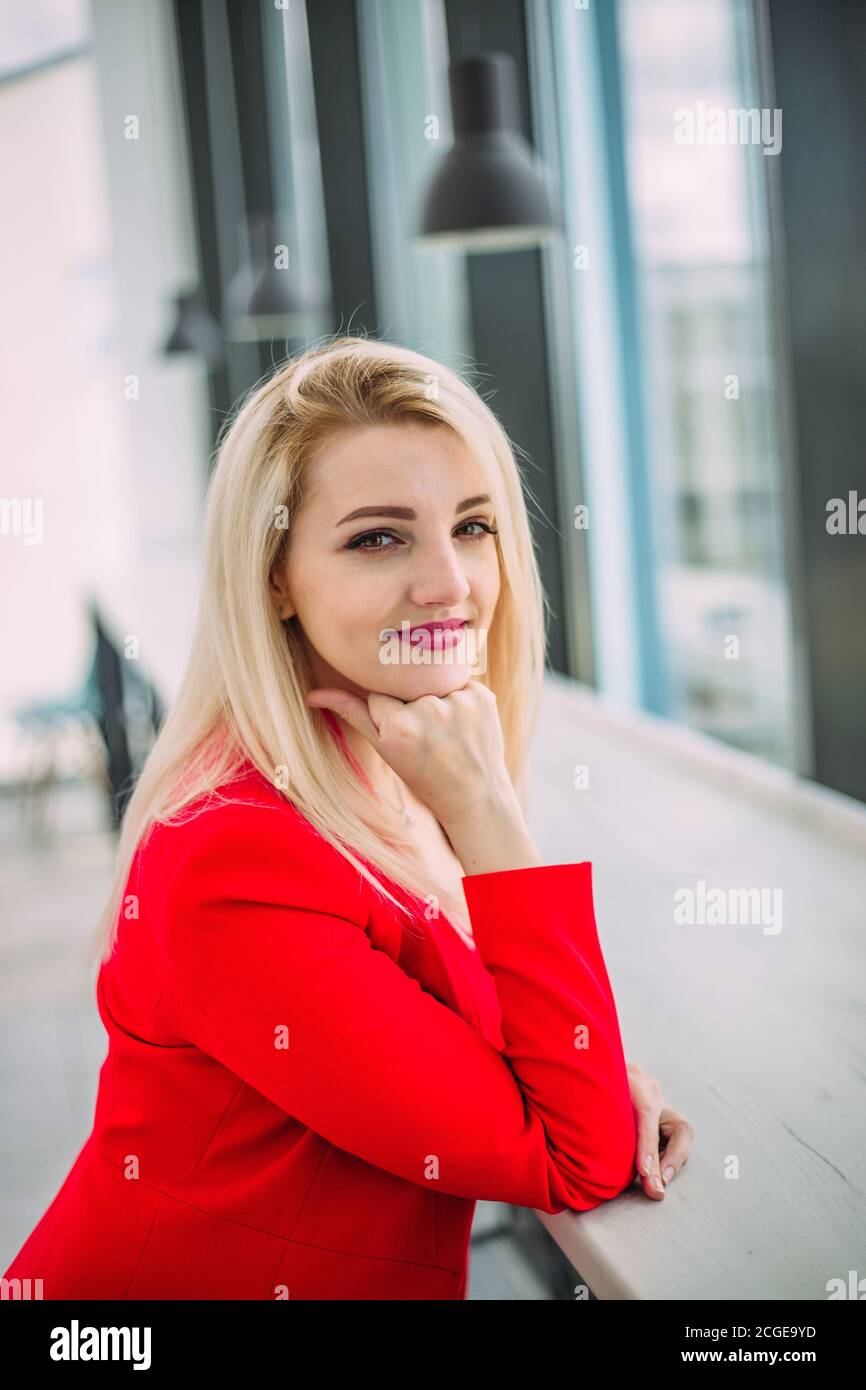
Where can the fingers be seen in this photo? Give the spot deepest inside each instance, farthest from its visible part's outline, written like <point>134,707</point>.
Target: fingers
<point>680,1135</point>
<point>350,707</point>
<point>647,1158</point>
<point>380,706</point>
<point>647,1101</point>
<point>664,1137</point>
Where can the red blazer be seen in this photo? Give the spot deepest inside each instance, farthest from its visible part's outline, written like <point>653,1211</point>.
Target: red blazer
<point>302,1098</point>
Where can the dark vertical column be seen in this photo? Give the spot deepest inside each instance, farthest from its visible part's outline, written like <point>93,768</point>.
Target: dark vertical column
<point>340,121</point>
<point>507,308</point>
<point>817,54</point>
<point>254,138</point>
<point>223,79</point>
<point>191,67</point>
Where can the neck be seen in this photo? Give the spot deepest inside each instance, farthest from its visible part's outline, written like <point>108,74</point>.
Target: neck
<point>380,774</point>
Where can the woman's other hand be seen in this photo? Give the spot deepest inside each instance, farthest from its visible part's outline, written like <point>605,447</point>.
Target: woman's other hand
<point>664,1137</point>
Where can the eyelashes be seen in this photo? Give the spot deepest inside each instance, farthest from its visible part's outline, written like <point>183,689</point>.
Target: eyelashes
<point>357,542</point>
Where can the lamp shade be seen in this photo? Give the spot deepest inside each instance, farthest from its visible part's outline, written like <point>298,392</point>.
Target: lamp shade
<point>193,330</point>
<point>265,299</point>
<point>488,193</point>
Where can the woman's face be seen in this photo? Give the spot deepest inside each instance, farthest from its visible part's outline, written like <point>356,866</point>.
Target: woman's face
<point>396,531</point>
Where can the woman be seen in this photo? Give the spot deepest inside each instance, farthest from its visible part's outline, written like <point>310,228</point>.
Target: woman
<point>344,996</point>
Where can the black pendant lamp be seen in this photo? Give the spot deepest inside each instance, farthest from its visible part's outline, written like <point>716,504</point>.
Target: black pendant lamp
<point>194,330</point>
<point>488,193</point>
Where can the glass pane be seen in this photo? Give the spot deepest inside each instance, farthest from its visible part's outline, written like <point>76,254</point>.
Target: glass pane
<point>106,437</point>
<point>699,233</point>
<point>422,293</point>
<point>296,162</point>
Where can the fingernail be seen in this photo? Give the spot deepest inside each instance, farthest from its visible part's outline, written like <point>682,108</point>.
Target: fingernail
<point>658,1184</point>
<point>648,1164</point>
<point>668,1173</point>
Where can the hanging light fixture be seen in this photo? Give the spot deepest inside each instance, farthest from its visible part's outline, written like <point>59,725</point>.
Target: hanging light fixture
<point>265,299</point>
<point>489,192</point>
<point>194,330</point>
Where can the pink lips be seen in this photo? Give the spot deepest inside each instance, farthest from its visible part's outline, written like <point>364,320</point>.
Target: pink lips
<point>444,634</point>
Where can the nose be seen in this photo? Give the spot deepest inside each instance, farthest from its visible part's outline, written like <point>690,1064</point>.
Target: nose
<point>437,578</point>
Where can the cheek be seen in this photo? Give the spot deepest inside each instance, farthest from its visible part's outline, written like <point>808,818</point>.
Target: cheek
<point>325,591</point>
<point>340,610</point>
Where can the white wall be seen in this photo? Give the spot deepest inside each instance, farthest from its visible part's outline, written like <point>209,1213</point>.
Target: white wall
<point>96,238</point>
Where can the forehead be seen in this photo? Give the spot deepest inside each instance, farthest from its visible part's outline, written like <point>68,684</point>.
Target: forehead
<point>413,462</point>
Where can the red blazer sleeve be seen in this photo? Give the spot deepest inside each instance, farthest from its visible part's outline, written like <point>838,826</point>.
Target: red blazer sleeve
<point>261,932</point>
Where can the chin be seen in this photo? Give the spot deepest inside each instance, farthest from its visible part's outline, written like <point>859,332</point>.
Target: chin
<point>411,682</point>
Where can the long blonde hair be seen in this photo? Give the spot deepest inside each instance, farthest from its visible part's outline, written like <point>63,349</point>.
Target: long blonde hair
<point>242,692</point>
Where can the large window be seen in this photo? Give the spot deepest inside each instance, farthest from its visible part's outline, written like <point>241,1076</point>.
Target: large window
<point>676,374</point>
<point>700,242</point>
<point>60,457</point>
<point>105,436</point>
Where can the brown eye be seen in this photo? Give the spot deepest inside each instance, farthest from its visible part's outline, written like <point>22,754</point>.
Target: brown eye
<point>359,542</point>
<point>486,529</point>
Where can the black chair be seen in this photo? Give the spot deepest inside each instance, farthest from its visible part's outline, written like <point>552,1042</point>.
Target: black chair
<point>129,717</point>
<point>116,708</point>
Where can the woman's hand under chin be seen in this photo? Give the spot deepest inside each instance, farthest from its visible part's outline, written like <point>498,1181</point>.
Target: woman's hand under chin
<point>448,749</point>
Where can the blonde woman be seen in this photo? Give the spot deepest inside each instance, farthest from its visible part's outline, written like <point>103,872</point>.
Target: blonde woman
<point>345,997</point>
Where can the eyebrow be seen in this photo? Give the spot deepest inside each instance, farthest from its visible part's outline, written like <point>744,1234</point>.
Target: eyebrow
<point>407,513</point>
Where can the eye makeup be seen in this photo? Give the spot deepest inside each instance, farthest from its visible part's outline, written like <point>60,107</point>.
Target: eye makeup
<point>357,542</point>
